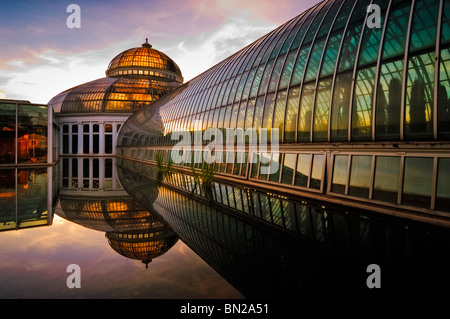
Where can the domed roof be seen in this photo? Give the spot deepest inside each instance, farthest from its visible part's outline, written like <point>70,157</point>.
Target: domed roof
<point>135,78</point>
<point>144,62</point>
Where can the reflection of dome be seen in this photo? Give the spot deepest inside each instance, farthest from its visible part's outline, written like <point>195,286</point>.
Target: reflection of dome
<point>131,230</point>
<point>145,245</point>
<point>135,78</point>
<point>144,61</point>
<point>108,215</point>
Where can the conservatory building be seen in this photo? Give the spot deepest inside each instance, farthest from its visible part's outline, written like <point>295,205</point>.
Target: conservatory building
<point>360,114</point>
<point>90,115</point>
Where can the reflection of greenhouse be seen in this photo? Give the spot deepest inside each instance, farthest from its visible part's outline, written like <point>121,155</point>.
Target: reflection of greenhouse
<point>272,246</point>
<point>362,113</point>
<point>131,230</point>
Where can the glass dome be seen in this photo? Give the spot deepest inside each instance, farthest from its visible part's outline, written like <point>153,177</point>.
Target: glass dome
<point>144,62</point>
<point>135,78</point>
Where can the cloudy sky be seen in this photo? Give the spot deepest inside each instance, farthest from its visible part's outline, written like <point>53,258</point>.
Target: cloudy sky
<point>40,56</point>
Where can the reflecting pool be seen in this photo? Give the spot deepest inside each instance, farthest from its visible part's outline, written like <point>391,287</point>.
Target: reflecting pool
<point>137,232</point>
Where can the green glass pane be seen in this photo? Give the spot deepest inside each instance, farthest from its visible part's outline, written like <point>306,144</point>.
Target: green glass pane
<point>423,27</point>
<point>300,66</point>
<point>314,60</point>
<point>396,30</point>
<point>420,97</point>
<point>349,48</point>
<point>321,111</point>
<point>331,52</point>
<point>362,104</point>
<point>304,116</point>
<point>370,44</point>
<point>287,70</point>
<point>387,172</point>
<point>444,95</point>
<point>446,23</point>
<point>389,100</point>
<point>340,107</point>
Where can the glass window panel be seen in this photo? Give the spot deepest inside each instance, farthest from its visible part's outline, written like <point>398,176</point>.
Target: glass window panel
<point>96,144</point>
<point>321,111</point>
<point>446,23</point>
<point>371,40</point>
<point>265,78</point>
<point>314,60</point>
<point>340,107</point>
<point>256,81</point>
<point>275,77</point>
<point>280,106</point>
<point>331,53</point>
<point>259,108</point>
<point>444,95</point>
<point>32,133</point>
<point>86,144</point>
<point>317,171</point>
<point>362,104</point>
<point>417,181</point>
<point>420,97</point>
<point>290,124</point>
<point>74,143</point>
<point>387,173</point>
<point>300,66</point>
<point>264,165</point>
<point>389,101</point>
<point>304,116</point>
<point>340,168</point>
<point>424,23</point>
<point>108,168</point>
<point>443,185</point>
<point>396,30</point>
<point>287,70</point>
<point>289,166</point>
<point>255,161</point>
<point>275,167</point>
<point>249,114</point>
<point>303,170</point>
<point>268,111</point>
<point>360,175</point>
<point>108,144</point>
<point>349,48</point>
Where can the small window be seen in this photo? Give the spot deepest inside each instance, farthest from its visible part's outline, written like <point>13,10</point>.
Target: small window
<point>317,172</point>
<point>289,163</point>
<point>360,176</point>
<point>303,170</point>
<point>443,185</point>
<point>387,172</point>
<point>340,169</point>
<point>417,181</point>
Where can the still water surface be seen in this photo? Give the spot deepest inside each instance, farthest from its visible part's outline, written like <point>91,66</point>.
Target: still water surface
<point>168,237</point>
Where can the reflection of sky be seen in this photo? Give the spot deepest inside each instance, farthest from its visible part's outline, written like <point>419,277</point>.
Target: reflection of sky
<point>34,263</point>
